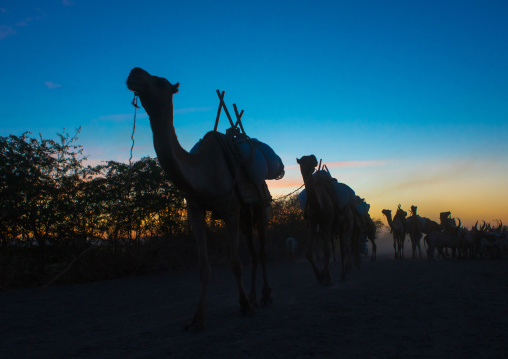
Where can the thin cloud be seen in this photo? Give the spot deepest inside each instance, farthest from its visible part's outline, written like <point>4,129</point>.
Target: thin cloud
<point>9,30</point>
<point>6,31</point>
<point>51,85</point>
<point>24,22</point>
<point>291,183</point>
<point>415,179</point>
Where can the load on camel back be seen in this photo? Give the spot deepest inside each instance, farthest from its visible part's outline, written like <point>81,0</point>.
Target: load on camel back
<point>251,160</point>
<point>343,194</point>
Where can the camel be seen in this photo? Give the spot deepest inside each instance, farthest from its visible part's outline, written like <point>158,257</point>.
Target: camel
<point>415,231</point>
<point>429,226</point>
<point>320,213</point>
<point>370,232</point>
<point>208,179</point>
<point>364,226</point>
<point>449,225</point>
<point>398,228</point>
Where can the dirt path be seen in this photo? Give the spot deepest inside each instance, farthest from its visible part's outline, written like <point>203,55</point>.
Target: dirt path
<point>387,309</point>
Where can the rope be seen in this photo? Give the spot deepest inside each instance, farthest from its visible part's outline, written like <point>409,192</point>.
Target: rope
<point>289,194</point>
<point>135,104</point>
<point>280,198</point>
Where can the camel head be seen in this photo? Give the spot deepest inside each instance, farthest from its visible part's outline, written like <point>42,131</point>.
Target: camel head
<point>387,212</point>
<point>307,162</point>
<point>153,91</point>
<point>413,210</point>
<point>444,215</point>
<point>307,165</point>
<point>400,213</point>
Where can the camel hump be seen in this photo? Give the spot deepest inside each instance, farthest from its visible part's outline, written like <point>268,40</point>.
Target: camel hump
<point>275,165</point>
<point>398,225</point>
<point>362,208</point>
<point>344,194</point>
<point>257,159</point>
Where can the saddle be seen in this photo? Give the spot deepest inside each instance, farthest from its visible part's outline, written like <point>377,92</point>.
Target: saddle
<point>251,162</point>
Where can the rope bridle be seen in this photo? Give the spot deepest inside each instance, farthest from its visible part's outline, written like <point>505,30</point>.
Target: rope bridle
<point>296,190</point>
<point>135,104</point>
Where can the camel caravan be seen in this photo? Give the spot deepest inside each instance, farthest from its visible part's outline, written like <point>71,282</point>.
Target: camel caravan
<point>444,236</point>
<point>226,174</point>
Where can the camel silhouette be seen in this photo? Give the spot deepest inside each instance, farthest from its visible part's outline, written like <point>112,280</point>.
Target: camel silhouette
<point>398,226</point>
<point>415,231</point>
<point>324,221</point>
<point>208,179</point>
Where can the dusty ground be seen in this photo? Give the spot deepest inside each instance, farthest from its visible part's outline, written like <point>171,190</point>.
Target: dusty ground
<point>387,309</point>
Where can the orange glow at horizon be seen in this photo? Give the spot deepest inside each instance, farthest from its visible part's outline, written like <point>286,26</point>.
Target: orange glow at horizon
<point>464,188</point>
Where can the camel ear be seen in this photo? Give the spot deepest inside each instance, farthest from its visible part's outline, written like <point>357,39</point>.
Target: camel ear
<point>297,161</point>
<point>174,88</point>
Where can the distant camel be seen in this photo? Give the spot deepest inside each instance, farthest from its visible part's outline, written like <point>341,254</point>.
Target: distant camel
<point>208,180</point>
<point>324,220</point>
<point>320,214</point>
<point>448,225</point>
<point>371,235</point>
<point>398,228</point>
<point>429,226</point>
<point>415,231</point>
<point>364,226</point>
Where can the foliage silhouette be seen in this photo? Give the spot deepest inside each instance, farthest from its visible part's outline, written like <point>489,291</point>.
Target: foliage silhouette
<point>53,207</point>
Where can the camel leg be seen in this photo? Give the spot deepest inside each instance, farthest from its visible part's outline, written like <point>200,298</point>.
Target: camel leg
<point>327,278</point>
<point>233,226</point>
<point>333,249</point>
<point>310,251</point>
<point>247,226</point>
<point>347,236</point>
<point>254,267</point>
<point>374,247</point>
<point>355,249</point>
<point>342,259</point>
<point>198,224</point>
<point>395,246</point>
<point>261,218</point>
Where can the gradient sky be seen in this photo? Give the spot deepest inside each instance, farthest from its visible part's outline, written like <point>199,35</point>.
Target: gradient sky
<point>405,101</point>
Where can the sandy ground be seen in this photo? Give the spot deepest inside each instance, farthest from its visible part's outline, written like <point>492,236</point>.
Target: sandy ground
<point>387,309</point>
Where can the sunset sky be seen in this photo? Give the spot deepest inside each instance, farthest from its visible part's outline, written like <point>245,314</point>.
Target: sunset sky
<point>405,101</point>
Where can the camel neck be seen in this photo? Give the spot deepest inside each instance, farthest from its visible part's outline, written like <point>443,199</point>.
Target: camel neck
<point>169,152</point>
<point>308,181</point>
<point>389,219</point>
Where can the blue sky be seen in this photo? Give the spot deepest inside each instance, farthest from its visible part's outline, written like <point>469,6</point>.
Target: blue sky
<point>406,101</point>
